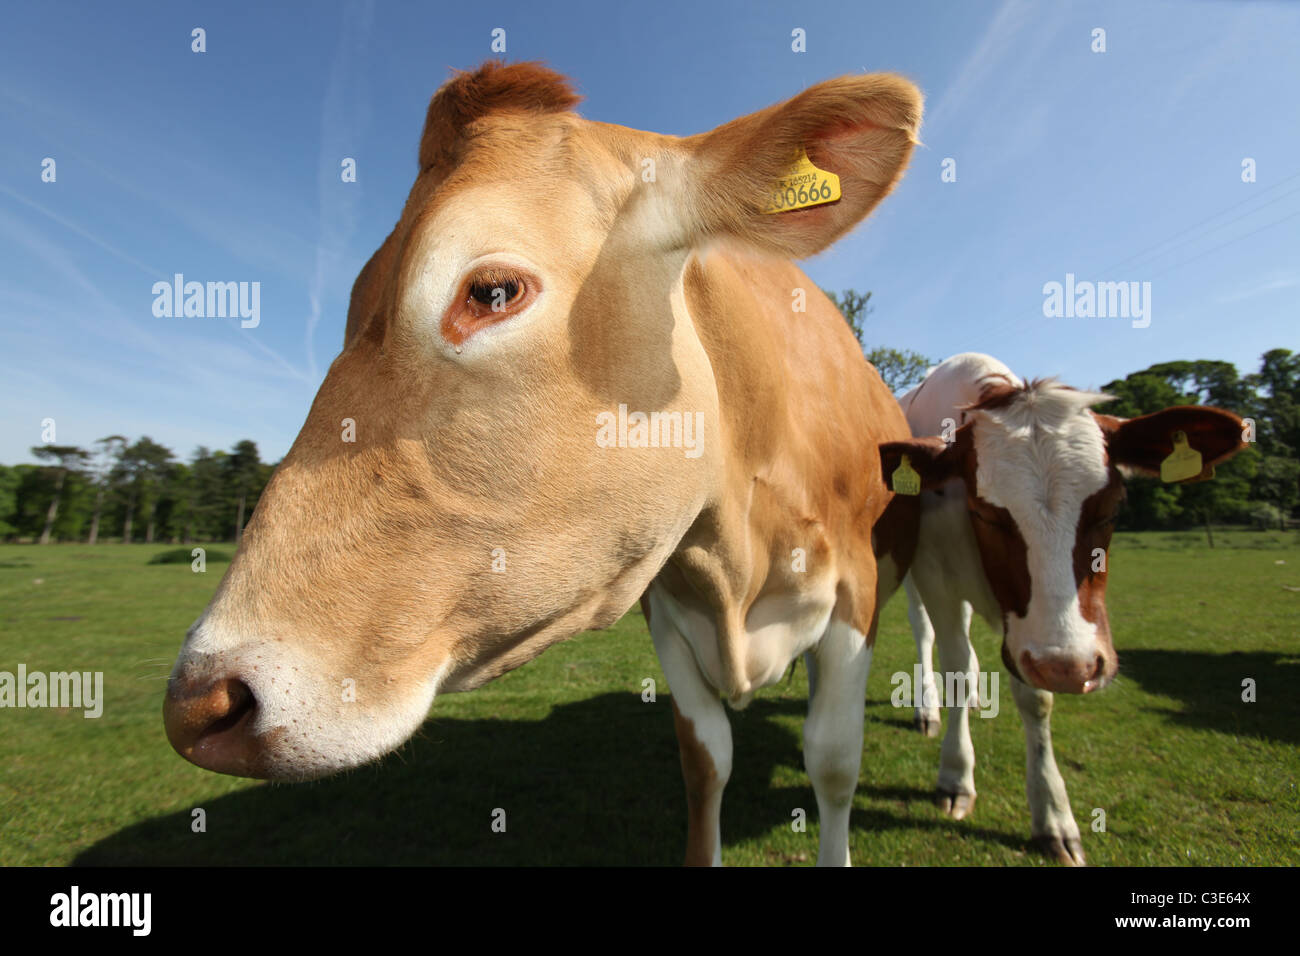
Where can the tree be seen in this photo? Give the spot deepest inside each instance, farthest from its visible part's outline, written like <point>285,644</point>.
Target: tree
<point>68,458</point>
<point>140,472</point>
<point>244,469</point>
<point>109,450</point>
<point>899,368</point>
<point>9,481</point>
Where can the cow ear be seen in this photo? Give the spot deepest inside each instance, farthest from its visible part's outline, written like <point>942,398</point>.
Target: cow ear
<point>935,460</point>
<point>1143,443</point>
<point>859,128</point>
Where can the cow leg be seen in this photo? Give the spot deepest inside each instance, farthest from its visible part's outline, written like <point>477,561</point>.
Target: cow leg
<point>703,737</point>
<point>960,671</point>
<point>1054,829</point>
<point>832,734</point>
<point>927,706</point>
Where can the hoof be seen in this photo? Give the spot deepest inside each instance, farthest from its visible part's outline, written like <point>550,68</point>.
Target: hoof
<point>955,805</point>
<point>929,726</point>
<point>1067,852</point>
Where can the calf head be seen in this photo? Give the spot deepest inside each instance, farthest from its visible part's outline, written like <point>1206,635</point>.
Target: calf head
<point>1042,477</point>
<point>449,509</point>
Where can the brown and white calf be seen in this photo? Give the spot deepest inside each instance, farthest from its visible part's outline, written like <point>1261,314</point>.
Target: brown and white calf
<point>1015,525</point>
<point>551,276</point>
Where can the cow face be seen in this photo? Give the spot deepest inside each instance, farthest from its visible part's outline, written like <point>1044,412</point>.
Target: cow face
<point>1041,474</point>
<point>470,485</point>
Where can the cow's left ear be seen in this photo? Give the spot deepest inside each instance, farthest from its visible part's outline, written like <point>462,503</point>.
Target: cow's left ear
<point>859,128</point>
<point>1143,443</point>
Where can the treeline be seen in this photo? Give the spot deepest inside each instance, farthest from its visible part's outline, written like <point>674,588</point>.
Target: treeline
<point>138,491</point>
<point>131,491</point>
<point>1261,486</point>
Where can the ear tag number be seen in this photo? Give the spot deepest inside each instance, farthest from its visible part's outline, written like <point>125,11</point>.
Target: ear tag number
<point>905,480</point>
<point>804,185</point>
<point>1184,463</point>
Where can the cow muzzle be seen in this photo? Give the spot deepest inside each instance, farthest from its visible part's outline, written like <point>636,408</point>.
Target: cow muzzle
<point>1067,673</point>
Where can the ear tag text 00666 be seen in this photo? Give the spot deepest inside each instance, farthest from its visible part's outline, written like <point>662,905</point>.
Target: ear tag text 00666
<point>905,480</point>
<point>802,186</point>
<point>1183,463</point>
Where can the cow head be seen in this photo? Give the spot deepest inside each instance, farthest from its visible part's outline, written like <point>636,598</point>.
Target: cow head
<point>449,509</point>
<point>1042,478</point>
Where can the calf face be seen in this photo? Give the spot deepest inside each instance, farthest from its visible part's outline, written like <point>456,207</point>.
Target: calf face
<point>1041,475</point>
<point>449,509</point>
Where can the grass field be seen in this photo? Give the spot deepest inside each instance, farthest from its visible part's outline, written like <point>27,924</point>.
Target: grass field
<point>588,773</point>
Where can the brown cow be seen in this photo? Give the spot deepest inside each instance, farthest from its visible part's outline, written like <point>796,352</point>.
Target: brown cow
<point>575,375</point>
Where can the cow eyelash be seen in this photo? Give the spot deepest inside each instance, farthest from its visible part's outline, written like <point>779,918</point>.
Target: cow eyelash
<point>996,522</point>
<point>483,289</point>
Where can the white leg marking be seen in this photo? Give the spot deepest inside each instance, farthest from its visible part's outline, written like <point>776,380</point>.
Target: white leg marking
<point>705,743</point>
<point>832,734</point>
<point>927,707</point>
<point>959,675</point>
<point>1049,804</point>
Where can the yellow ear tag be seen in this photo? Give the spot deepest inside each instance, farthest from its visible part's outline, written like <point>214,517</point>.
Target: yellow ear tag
<point>1184,463</point>
<point>803,186</point>
<point>905,479</point>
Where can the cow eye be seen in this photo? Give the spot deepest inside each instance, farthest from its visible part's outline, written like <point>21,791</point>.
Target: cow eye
<point>487,295</point>
<point>998,520</point>
<point>495,291</point>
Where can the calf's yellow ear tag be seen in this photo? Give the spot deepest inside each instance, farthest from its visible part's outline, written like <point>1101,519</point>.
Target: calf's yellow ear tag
<point>804,185</point>
<point>1184,463</point>
<point>905,480</point>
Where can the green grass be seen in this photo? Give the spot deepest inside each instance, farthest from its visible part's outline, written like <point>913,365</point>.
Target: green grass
<point>588,773</point>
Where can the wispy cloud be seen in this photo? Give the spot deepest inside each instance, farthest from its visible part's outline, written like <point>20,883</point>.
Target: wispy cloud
<point>344,116</point>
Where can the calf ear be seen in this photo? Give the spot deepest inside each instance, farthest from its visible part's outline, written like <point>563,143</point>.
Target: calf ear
<point>1143,443</point>
<point>861,128</point>
<point>935,460</point>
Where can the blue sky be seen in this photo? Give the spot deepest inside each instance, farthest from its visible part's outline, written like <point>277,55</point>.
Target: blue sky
<point>1116,166</point>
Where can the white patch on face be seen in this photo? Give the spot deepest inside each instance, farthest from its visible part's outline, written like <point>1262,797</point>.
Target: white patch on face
<point>482,228</point>
<point>1040,458</point>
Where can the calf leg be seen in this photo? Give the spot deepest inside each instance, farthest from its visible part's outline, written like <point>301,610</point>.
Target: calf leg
<point>832,733</point>
<point>1054,829</point>
<point>927,707</point>
<point>703,737</point>
<point>960,672</point>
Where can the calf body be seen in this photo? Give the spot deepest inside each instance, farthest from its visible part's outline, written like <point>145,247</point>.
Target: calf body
<point>1022,489</point>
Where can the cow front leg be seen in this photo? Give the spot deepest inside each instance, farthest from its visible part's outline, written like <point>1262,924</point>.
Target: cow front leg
<point>703,738</point>
<point>1054,829</point>
<point>832,734</point>
<point>927,704</point>
<point>960,672</point>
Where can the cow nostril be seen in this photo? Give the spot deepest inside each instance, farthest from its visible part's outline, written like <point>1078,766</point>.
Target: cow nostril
<point>239,702</point>
<point>1100,668</point>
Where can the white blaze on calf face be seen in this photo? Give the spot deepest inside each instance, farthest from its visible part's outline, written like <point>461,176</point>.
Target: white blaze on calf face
<point>1041,455</point>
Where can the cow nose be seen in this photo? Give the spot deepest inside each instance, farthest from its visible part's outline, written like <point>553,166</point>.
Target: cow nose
<point>210,724</point>
<point>1064,673</point>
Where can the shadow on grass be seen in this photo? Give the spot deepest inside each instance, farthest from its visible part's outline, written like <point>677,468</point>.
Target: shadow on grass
<point>596,782</point>
<point>1210,688</point>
